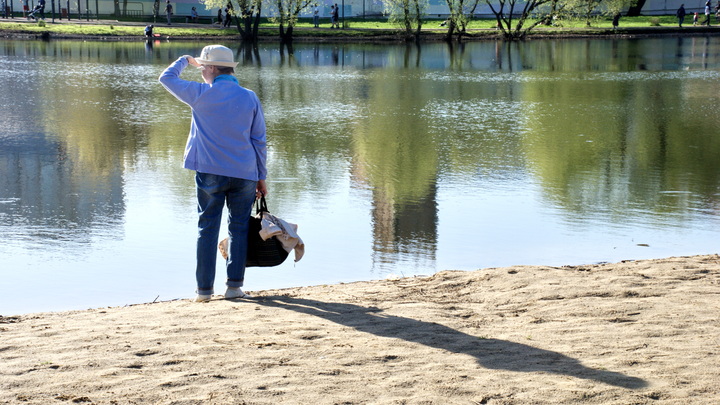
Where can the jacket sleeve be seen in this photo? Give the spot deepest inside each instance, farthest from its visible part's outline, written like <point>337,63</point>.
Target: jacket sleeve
<point>259,140</point>
<point>184,90</point>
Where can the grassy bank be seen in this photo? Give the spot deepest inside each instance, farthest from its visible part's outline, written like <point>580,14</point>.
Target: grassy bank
<point>354,29</point>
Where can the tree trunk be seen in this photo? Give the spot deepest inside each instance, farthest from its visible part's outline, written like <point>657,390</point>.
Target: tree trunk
<point>419,21</point>
<point>247,31</point>
<point>256,23</point>
<point>451,29</point>
<point>248,25</point>
<point>407,22</point>
<point>286,34</point>
<point>244,27</point>
<point>635,10</point>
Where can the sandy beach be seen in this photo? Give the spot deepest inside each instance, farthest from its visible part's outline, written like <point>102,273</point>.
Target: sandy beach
<point>636,332</point>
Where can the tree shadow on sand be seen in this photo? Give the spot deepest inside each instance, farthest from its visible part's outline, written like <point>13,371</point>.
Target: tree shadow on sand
<point>489,353</point>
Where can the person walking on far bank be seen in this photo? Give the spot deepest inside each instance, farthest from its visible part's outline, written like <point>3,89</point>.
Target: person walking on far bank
<point>168,11</point>
<point>228,15</point>
<point>336,17</point>
<point>681,15</point>
<point>227,150</point>
<point>707,13</point>
<point>39,8</point>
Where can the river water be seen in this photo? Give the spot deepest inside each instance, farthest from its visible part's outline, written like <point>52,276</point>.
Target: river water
<point>395,160</point>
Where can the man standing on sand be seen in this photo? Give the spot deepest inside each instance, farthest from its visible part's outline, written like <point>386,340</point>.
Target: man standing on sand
<point>227,149</point>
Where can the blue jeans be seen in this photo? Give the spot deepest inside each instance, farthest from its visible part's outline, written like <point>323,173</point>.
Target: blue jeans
<point>213,191</point>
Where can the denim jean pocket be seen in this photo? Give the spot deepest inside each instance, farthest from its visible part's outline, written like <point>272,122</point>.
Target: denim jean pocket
<point>206,180</point>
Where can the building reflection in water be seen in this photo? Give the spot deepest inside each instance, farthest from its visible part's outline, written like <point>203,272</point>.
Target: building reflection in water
<point>46,198</point>
<point>405,232</point>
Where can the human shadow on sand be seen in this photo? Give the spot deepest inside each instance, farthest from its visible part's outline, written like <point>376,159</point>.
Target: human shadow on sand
<point>489,353</point>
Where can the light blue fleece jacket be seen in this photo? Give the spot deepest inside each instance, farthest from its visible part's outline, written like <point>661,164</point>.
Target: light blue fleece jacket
<point>227,131</point>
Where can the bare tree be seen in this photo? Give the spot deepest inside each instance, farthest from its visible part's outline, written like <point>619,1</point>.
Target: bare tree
<point>408,14</point>
<point>589,8</point>
<point>249,22</point>
<point>512,16</point>
<point>460,13</point>
<point>287,16</point>
<point>584,8</point>
<point>247,15</point>
<point>635,8</point>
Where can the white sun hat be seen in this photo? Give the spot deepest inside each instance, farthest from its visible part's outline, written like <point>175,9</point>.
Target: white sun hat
<point>216,55</point>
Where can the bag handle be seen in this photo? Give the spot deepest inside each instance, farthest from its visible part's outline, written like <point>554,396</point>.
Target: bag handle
<point>261,205</point>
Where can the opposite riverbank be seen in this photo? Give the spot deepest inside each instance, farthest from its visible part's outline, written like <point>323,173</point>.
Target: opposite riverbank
<point>364,31</point>
<point>635,332</point>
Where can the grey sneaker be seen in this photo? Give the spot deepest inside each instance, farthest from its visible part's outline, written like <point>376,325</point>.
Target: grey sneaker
<point>235,293</point>
<point>202,298</point>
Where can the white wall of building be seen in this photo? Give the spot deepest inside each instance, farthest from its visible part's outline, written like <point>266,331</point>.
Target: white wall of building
<point>352,8</point>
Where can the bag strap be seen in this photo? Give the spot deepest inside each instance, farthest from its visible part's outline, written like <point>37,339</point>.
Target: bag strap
<point>261,205</point>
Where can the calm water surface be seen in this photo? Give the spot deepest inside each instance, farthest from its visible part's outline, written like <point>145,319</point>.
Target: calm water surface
<point>393,160</point>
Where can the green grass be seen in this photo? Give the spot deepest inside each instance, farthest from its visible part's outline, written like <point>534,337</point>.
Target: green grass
<point>115,29</point>
<point>357,27</point>
<point>434,24</point>
<point>74,29</point>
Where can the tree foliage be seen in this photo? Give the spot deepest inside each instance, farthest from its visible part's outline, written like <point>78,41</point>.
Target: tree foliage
<point>408,14</point>
<point>460,13</point>
<point>249,17</point>
<point>506,11</point>
<point>586,9</point>
<point>515,18</point>
<point>245,12</point>
<point>636,7</point>
<point>287,12</point>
